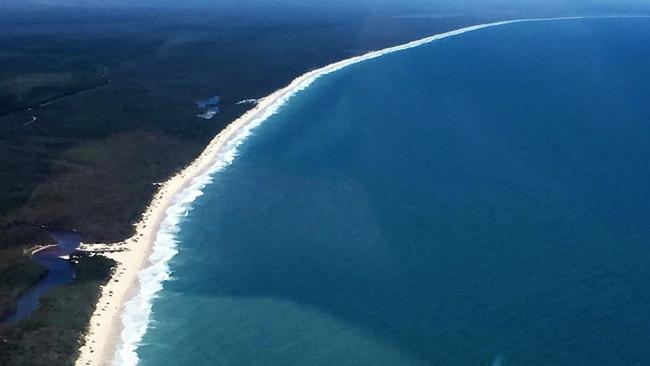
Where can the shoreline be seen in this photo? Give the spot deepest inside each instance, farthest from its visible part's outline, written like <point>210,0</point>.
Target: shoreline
<point>41,248</point>
<point>106,335</point>
<point>105,328</point>
<point>105,325</point>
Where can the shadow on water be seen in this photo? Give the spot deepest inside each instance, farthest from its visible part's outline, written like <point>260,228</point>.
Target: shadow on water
<point>60,272</point>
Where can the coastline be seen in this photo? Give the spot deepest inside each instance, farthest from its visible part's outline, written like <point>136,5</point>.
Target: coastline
<point>106,329</point>
<point>41,248</point>
<point>105,326</point>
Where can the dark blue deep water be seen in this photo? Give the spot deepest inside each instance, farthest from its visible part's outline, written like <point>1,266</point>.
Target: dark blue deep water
<point>481,200</point>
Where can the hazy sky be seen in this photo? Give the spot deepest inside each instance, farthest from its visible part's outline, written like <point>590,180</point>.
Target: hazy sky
<point>462,6</point>
<point>344,3</point>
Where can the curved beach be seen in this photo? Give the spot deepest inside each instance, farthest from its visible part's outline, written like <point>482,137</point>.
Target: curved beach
<point>122,313</point>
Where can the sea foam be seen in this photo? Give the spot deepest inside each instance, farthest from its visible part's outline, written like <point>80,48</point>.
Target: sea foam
<point>137,311</point>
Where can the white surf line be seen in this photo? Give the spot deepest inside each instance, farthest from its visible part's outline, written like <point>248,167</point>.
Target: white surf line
<point>136,314</point>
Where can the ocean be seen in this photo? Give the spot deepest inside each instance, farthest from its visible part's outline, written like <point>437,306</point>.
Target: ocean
<point>480,200</point>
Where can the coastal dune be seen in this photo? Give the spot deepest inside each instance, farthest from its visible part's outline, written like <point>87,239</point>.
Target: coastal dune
<point>123,311</point>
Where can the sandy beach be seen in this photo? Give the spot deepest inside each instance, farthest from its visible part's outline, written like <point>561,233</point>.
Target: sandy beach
<point>103,336</point>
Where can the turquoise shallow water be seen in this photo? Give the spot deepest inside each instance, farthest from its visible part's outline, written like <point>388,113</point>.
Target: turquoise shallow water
<point>480,200</point>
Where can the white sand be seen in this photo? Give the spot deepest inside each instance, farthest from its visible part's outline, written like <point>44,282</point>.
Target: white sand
<point>102,337</point>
